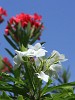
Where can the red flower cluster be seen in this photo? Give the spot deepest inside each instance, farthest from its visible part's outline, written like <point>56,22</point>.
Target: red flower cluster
<point>24,19</point>
<point>7,66</point>
<point>2,12</point>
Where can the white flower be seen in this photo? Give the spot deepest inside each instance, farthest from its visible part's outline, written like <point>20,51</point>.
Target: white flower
<point>57,56</point>
<point>54,69</point>
<point>38,50</point>
<point>36,47</point>
<point>33,51</point>
<point>18,57</point>
<point>43,76</point>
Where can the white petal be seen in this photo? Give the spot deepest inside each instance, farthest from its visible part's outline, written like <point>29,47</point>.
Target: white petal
<point>40,53</point>
<point>21,54</point>
<point>57,56</point>
<point>36,50</point>
<point>31,53</point>
<point>62,58</point>
<point>50,61</point>
<point>43,76</point>
<point>17,60</point>
<point>37,46</point>
<point>56,67</point>
<point>30,46</point>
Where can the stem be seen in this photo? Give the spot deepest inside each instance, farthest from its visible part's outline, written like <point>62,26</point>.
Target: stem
<point>39,92</point>
<point>29,77</point>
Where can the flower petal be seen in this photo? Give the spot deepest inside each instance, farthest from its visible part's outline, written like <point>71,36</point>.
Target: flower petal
<point>56,67</point>
<point>57,56</point>
<point>43,76</point>
<point>36,47</point>
<point>17,60</point>
<point>40,53</point>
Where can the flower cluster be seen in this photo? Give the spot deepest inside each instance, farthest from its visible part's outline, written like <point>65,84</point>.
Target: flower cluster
<point>33,51</point>
<point>50,65</point>
<point>24,19</point>
<point>2,13</point>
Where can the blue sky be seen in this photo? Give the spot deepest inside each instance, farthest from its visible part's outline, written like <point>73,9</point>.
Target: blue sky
<point>59,21</point>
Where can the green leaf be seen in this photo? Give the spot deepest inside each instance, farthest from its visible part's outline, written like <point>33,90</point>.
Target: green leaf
<point>12,35</point>
<point>23,37</point>
<point>35,38</point>
<point>19,26</point>
<point>1,63</point>
<point>66,75</point>
<point>6,87</point>
<point>47,97</point>
<point>10,42</point>
<point>16,89</point>
<point>46,86</point>
<point>4,96</point>
<point>49,89</point>
<point>17,72</point>
<point>20,97</point>
<point>7,77</point>
<point>28,28</point>
<point>29,73</point>
<point>9,52</point>
<point>72,97</point>
<point>36,34</point>
<point>63,95</point>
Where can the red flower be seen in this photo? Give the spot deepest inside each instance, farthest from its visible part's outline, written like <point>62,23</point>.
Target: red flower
<point>37,17</point>
<point>7,66</point>
<point>24,19</point>
<point>2,13</point>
